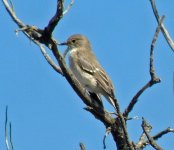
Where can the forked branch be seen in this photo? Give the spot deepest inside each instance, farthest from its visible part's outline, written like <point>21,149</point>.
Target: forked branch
<point>153,79</point>
<point>146,130</point>
<point>163,29</point>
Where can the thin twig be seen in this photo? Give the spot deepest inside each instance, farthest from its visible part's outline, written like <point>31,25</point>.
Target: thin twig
<point>82,146</point>
<point>150,139</point>
<point>6,129</point>
<point>135,99</point>
<point>163,29</point>
<point>153,80</point>
<point>11,141</point>
<point>48,58</point>
<point>133,118</point>
<point>108,131</point>
<point>12,6</point>
<point>12,14</point>
<point>68,8</point>
<point>164,132</point>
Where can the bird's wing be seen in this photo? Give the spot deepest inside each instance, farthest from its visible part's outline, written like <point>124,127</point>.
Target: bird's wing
<point>104,81</point>
<point>85,65</point>
<point>97,71</point>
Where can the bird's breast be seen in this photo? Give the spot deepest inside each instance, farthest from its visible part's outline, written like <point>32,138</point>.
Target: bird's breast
<point>87,80</point>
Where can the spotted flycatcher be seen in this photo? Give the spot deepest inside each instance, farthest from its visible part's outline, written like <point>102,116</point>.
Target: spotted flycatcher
<point>87,69</point>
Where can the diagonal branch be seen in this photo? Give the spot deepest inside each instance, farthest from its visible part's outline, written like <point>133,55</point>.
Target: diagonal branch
<point>55,19</point>
<point>162,133</point>
<point>143,142</point>
<point>153,79</point>
<point>150,139</point>
<point>32,33</point>
<point>163,29</point>
<point>12,14</point>
<point>68,8</point>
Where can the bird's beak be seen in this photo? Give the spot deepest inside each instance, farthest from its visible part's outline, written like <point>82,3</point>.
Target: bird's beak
<point>63,43</point>
<point>67,50</point>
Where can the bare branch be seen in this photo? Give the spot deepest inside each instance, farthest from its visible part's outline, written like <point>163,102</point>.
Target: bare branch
<point>108,131</point>
<point>82,146</point>
<point>163,29</point>
<point>6,129</point>
<point>143,142</point>
<point>56,18</point>
<point>11,141</point>
<point>146,130</point>
<point>162,133</point>
<point>153,80</point>
<point>32,33</point>
<point>48,58</point>
<point>123,124</point>
<point>152,69</point>
<point>12,14</point>
<point>135,99</point>
<point>12,6</point>
<point>68,8</point>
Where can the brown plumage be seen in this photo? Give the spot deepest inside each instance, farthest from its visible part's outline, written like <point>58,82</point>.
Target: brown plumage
<point>87,69</point>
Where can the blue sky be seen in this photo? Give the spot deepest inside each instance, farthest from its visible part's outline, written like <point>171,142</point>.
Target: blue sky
<point>45,111</point>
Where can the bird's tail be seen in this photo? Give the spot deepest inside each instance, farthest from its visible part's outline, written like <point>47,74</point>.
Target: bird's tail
<point>112,101</point>
<point>97,98</point>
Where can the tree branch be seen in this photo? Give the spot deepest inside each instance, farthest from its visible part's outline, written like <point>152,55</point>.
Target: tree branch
<point>33,33</point>
<point>153,80</point>
<point>9,143</point>
<point>143,142</point>
<point>82,146</point>
<point>163,29</point>
<point>162,133</point>
<point>6,129</point>
<point>55,19</point>
<point>150,139</point>
<point>68,8</point>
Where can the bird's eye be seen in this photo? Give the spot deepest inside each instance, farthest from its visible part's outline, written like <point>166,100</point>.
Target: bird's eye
<point>73,41</point>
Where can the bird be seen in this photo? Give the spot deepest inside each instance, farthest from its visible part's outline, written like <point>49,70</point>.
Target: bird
<point>87,69</point>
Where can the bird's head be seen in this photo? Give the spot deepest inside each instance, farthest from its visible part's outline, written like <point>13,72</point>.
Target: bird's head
<point>76,41</point>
